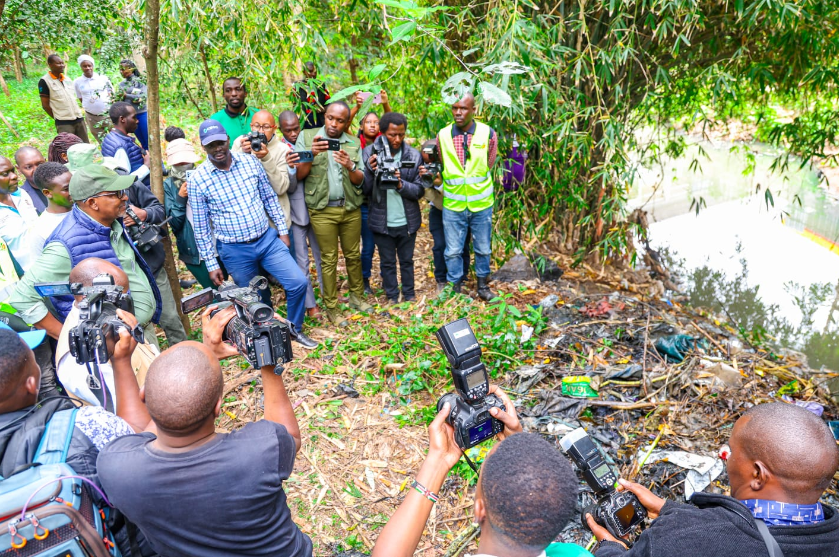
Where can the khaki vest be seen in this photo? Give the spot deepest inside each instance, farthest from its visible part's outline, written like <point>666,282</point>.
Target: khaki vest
<point>471,187</point>
<point>62,98</point>
<point>317,182</point>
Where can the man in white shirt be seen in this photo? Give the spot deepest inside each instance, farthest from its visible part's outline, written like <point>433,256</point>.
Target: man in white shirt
<point>75,376</point>
<point>17,213</point>
<point>53,179</point>
<point>96,94</point>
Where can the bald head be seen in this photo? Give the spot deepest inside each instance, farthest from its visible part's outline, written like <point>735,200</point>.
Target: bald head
<point>264,121</point>
<point>88,269</point>
<point>794,444</point>
<point>183,387</point>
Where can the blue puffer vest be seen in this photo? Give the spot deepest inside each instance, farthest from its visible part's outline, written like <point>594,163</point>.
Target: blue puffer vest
<point>115,141</point>
<point>83,237</point>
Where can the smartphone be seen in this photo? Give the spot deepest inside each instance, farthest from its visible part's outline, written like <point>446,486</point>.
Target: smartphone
<point>364,96</point>
<point>47,289</point>
<point>305,156</point>
<point>334,144</point>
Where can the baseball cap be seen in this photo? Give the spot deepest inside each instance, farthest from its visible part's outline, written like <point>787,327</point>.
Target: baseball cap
<point>211,130</point>
<point>181,151</point>
<point>95,178</point>
<point>82,154</point>
<point>32,338</point>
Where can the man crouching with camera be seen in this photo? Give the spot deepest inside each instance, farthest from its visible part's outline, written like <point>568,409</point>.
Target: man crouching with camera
<point>526,493</point>
<point>190,490</point>
<point>84,367</point>
<point>781,460</point>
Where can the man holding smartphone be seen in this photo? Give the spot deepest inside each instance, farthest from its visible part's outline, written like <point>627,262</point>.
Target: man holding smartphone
<point>333,196</point>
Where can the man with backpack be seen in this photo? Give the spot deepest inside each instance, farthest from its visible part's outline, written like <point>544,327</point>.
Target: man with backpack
<point>54,440</point>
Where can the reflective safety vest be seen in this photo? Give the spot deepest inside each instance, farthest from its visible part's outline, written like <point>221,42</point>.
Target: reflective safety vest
<point>8,274</point>
<point>469,188</point>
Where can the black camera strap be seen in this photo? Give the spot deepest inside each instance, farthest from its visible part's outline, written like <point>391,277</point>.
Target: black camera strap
<point>471,464</point>
<point>96,384</point>
<point>771,544</point>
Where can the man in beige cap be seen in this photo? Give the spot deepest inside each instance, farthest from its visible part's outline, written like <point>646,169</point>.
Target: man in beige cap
<point>181,158</point>
<point>92,229</point>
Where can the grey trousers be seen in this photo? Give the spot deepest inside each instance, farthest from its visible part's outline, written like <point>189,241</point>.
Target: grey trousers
<point>170,321</point>
<point>77,128</point>
<point>301,255</point>
<point>98,125</point>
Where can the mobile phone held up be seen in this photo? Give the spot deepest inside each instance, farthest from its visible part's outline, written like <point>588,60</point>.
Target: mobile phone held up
<point>364,96</point>
<point>305,156</point>
<point>332,144</point>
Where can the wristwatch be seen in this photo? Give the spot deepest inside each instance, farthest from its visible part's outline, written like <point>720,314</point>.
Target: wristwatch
<point>354,167</point>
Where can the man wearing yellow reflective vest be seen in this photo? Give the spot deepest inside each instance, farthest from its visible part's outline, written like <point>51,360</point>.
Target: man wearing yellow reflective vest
<point>468,151</point>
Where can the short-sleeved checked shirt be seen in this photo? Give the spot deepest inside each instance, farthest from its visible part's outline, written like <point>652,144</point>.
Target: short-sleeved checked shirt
<point>458,136</point>
<point>235,200</point>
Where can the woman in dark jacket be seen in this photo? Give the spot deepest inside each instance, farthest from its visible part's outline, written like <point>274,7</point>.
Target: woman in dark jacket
<point>395,215</point>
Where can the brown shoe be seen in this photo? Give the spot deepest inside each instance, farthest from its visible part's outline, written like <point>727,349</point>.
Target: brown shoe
<point>337,318</point>
<point>314,312</point>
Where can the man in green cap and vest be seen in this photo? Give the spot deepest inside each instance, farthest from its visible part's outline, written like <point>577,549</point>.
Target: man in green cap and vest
<point>468,151</point>
<point>333,196</point>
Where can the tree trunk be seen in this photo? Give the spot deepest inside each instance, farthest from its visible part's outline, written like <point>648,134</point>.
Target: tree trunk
<point>4,86</point>
<point>208,76</point>
<point>16,63</point>
<point>352,62</point>
<point>21,63</point>
<point>153,103</point>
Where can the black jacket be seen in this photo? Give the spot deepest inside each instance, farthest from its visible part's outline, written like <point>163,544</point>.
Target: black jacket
<point>411,190</point>
<point>142,197</point>
<point>719,526</point>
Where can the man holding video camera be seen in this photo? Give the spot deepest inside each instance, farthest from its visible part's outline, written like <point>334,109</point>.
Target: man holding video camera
<point>333,195</point>
<point>782,458</point>
<point>92,229</point>
<point>394,216</point>
<point>526,493</point>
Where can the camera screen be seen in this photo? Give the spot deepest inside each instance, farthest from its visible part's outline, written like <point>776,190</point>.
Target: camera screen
<point>198,300</point>
<point>53,289</point>
<point>601,471</point>
<point>480,432</point>
<point>625,515</point>
<point>474,379</point>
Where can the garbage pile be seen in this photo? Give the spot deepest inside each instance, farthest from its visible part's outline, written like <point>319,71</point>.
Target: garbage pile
<point>657,385</point>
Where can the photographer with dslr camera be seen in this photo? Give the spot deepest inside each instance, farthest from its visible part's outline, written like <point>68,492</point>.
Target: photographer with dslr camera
<point>392,175</point>
<point>190,490</point>
<point>91,229</point>
<point>781,458</point>
<point>271,152</point>
<point>526,493</point>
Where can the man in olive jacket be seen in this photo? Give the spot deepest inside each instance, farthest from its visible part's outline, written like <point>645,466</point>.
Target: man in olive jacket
<point>394,216</point>
<point>333,196</point>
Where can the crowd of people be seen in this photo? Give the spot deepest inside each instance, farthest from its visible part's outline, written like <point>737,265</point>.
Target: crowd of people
<point>271,190</point>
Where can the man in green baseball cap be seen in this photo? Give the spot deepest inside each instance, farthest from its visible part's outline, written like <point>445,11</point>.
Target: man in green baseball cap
<point>92,229</point>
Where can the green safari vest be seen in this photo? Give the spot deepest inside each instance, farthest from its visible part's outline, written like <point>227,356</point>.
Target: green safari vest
<point>317,182</point>
<point>469,188</point>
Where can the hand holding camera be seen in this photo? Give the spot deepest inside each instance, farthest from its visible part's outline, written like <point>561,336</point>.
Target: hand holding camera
<point>255,143</point>
<point>123,348</point>
<point>213,324</point>
<point>134,215</point>
<point>323,144</point>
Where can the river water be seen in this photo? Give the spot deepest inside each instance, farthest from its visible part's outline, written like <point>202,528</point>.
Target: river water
<point>767,263</point>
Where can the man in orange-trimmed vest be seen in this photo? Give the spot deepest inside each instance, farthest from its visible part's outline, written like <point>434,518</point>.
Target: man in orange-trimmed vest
<point>468,151</point>
<point>58,99</point>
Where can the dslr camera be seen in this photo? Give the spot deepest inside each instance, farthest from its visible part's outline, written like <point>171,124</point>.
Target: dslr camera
<point>98,321</point>
<point>433,166</point>
<point>386,167</point>
<point>617,511</point>
<point>258,140</point>
<point>258,336</point>
<point>471,401</point>
<point>144,234</point>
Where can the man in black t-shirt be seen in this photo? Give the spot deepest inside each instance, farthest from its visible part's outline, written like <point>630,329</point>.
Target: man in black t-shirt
<point>313,95</point>
<point>192,491</point>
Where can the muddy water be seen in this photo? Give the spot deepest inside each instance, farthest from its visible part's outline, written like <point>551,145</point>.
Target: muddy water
<point>765,262</point>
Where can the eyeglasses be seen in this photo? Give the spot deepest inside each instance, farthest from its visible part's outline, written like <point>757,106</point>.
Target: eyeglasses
<point>262,127</point>
<point>118,194</point>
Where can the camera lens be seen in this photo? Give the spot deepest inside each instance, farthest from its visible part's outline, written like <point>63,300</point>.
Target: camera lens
<point>260,312</point>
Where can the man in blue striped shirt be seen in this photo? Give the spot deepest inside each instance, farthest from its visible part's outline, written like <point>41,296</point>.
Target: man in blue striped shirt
<point>232,191</point>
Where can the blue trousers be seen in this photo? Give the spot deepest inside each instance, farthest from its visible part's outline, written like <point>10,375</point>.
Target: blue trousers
<point>368,244</point>
<point>142,132</point>
<point>456,225</point>
<point>243,260</point>
<point>435,226</point>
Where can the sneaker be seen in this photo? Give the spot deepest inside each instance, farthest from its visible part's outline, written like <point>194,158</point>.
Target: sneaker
<point>305,341</point>
<point>367,289</point>
<point>358,303</point>
<point>441,286</point>
<point>337,318</point>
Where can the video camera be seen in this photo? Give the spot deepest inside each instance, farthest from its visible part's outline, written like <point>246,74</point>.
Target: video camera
<point>258,140</point>
<point>260,338</point>
<point>617,511</point>
<point>98,321</point>
<point>144,234</point>
<point>470,405</point>
<point>433,166</point>
<point>386,167</point>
